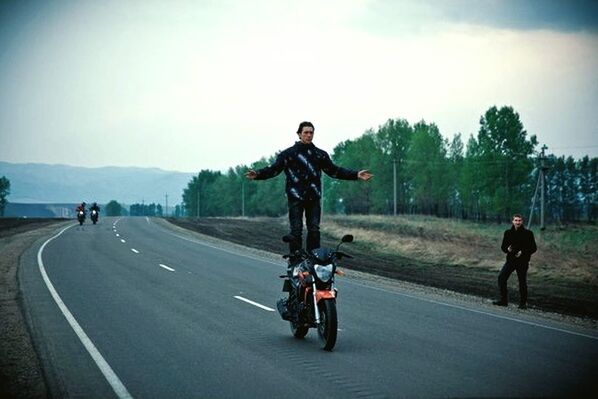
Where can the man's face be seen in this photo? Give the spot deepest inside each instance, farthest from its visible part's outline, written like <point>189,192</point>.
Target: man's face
<point>517,222</point>
<point>306,135</point>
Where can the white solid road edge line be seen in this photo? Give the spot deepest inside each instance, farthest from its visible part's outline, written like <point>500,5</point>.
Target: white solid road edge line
<point>119,389</point>
<point>170,269</point>
<point>254,303</point>
<point>134,250</point>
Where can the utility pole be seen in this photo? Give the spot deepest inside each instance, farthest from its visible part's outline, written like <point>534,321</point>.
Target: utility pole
<point>198,202</point>
<point>243,198</point>
<point>394,175</point>
<point>543,169</point>
<point>166,206</point>
<point>542,185</point>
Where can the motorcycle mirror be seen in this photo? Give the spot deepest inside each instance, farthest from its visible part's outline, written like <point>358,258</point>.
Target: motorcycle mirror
<point>347,238</point>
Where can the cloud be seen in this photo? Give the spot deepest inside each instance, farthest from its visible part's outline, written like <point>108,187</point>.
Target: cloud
<point>429,16</point>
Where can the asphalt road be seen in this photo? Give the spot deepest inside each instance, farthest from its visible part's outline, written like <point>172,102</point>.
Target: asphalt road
<point>151,313</point>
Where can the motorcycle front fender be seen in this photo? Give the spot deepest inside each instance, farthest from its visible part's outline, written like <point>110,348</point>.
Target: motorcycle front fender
<point>325,294</point>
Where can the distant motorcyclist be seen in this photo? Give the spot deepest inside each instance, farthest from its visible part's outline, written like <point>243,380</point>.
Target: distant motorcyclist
<point>81,208</point>
<point>95,207</point>
<point>81,212</point>
<point>95,212</point>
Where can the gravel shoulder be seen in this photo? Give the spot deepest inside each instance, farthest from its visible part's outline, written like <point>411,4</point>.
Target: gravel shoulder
<point>20,371</point>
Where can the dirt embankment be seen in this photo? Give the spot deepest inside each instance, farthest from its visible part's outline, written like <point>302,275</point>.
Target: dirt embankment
<point>546,292</point>
<point>20,372</point>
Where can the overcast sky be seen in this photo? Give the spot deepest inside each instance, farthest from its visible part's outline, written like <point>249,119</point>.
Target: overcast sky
<point>190,85</point>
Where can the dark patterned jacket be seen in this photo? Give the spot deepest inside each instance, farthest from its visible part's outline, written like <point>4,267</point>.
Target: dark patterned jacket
<point>522,240</point>
<point>303,165</point>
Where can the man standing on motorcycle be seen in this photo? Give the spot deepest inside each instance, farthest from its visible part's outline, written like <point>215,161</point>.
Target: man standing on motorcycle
<point>303,164</point>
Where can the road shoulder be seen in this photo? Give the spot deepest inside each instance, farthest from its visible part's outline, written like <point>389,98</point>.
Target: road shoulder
<point>20,371</point>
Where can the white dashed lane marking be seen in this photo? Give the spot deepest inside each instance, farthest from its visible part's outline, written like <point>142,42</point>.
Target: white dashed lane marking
<point>170,269</point>
<point>254,303</point>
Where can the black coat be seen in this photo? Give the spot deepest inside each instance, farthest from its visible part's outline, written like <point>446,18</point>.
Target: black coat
<point>303,165</point>
<point>520,240</point>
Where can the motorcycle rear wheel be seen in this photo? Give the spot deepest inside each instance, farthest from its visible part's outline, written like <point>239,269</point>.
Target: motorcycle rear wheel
<point>328,327</point>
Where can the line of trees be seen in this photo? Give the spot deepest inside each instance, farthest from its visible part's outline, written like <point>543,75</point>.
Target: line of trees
<point>145,210</point>
<point>491,177</point>
<point>4,191</point>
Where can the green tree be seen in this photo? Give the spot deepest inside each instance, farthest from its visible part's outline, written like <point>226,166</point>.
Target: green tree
<point>266,197</point>
<point>453,174</point>
<point>4,191</point>
<point>355,154</point>
<point>470,182</point>
<point>113,208</point>
<point>392,140</point>
<point>505,161</point>
<point>427,166</point>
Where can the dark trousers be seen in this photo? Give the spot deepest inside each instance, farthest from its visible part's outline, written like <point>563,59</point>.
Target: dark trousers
<point>504,275</point>
<point>312,219</point>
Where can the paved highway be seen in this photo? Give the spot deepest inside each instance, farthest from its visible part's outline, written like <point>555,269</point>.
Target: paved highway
<point>129,308</point>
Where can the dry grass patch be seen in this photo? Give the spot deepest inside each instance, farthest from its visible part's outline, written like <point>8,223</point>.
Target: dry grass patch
<point>565,254</point>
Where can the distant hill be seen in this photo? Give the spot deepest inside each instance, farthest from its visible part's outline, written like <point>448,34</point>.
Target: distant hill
<point>43,183</point>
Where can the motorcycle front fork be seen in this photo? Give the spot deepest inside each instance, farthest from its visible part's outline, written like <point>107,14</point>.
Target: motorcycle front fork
<point>316,310</point>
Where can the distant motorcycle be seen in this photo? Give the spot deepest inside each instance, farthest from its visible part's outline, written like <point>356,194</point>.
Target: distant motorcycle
<point>94,216</point>
<point>81,217</point>
<point>312,293</point>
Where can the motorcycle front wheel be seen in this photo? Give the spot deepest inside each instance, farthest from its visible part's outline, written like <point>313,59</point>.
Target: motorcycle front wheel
<point>328,326</point>
<point>299,331</point>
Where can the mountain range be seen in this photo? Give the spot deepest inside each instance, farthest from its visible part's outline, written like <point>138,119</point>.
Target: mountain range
<point>44,183</point>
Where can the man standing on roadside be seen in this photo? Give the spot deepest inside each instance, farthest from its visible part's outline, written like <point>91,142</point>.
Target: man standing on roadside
<point>519,245</point>
<point>303,164</point>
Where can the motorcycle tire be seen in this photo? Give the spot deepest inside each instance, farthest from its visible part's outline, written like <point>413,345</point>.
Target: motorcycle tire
<point>328,327</point>
<point>299,331</point>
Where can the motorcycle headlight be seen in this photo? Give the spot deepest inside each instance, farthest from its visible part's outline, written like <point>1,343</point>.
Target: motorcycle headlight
<point>324,273</point>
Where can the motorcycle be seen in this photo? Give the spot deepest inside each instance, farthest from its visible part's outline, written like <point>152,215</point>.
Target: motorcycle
<point>312,293</point>
<point>94,216</point>
<point>81,217</point>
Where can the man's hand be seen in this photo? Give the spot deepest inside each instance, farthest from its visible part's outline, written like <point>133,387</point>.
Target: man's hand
<point>364,175</point>
<point>251,174</point>
<point>510,249</point>
<point>518,254</point>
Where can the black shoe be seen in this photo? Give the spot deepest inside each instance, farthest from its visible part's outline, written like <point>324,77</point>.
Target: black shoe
<point>522,306</point>
<point>500,303</point>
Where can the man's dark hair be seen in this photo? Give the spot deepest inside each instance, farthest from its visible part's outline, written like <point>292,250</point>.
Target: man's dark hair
<point>517,215</point>
<point>304,124</point>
